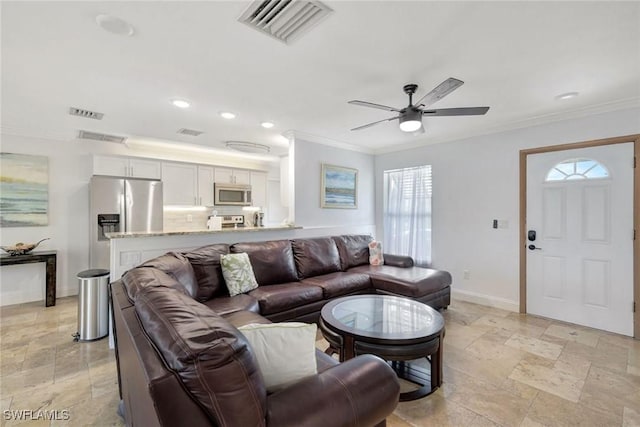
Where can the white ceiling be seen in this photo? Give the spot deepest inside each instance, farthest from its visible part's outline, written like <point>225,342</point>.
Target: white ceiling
<point>513,56</point>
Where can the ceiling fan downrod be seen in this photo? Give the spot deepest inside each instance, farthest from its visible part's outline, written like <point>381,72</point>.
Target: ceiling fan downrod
<point>410,89</point>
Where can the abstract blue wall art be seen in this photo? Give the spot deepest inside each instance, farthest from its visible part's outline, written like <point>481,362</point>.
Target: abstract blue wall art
<point>339,187</point>
<point>24,190</point>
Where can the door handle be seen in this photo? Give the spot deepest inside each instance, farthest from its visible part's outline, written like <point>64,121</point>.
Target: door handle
<point>533,248</point>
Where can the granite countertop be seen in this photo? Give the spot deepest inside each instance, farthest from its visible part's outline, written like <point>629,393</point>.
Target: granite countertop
<point>204,231</point>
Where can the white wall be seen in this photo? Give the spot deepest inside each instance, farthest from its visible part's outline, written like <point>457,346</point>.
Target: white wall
<point>309,157</point>
<point>70,168</point>
<point>475,181</point>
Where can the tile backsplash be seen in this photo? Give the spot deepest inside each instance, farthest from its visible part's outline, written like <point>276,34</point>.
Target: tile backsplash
<point>192,220</point>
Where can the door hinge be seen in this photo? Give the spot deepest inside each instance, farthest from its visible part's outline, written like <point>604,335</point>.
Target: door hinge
<point>634,162</point>
<point>634,306</point>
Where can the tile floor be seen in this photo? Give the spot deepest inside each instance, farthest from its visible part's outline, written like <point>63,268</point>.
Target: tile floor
<point>500,369</point>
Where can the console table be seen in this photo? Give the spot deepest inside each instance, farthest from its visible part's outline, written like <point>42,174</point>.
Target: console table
<point>48,257</point>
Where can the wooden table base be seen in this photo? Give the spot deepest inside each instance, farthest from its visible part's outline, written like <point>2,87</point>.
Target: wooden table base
<point>49,258</point>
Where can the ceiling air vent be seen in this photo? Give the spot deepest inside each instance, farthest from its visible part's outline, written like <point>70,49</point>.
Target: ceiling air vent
<point>83,134</point>
<point>85,113</point>
<point>248,147</point>
<point>285,20</point>
<point>189,132</point>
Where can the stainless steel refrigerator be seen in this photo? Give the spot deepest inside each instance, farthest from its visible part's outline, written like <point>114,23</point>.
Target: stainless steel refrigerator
<point>121,205</point>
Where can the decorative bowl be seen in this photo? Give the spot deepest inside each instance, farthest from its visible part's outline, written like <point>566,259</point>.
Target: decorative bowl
<point>21,248</point>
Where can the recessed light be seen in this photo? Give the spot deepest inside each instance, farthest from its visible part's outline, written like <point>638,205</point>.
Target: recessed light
<point>267,125</point>
<point>227,115</point>
<point>567,95</point>
<point>181,103</point>
<point>114,25</point>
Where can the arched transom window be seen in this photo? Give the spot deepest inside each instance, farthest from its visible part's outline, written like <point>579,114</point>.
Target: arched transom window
<point>574,169</point>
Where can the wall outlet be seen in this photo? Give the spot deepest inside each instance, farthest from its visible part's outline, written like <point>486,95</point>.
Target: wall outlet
<point>189,218</point>
<point>503,223</point>
<point>466,275</point>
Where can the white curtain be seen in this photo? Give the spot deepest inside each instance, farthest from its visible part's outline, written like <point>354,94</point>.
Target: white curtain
<point>407,213</point>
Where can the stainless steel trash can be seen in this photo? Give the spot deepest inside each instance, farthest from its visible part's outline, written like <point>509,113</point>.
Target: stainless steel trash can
<point>93,305</point>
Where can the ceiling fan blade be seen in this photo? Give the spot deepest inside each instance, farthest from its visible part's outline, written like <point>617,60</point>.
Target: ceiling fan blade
<point>375,123</point>
<point>372,105</point>
<point>466,111</point>
<point>440,91</point>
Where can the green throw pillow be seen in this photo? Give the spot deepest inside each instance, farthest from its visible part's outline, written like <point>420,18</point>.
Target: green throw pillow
<point>238,273</point>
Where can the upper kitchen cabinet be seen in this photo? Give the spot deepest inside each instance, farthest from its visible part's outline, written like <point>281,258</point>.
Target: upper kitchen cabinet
<point>187,184</point>
<point>179,183</point>
<point>232,176</point>
<point>127,166</point>
<point>205,185</point>
<point>259,189</point>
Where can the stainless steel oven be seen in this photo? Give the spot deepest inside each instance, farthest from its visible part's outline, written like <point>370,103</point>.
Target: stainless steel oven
<point>232,194</point>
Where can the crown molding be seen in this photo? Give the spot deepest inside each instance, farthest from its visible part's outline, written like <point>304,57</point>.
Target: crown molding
<point>609,107</point>
<point>296,134</point>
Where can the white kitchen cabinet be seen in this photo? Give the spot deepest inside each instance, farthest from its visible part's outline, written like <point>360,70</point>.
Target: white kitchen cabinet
<point>127,166</point>
<point>232,176</point>
<point>179,183</point>
<point>259,189</point>
<point>205,185</point>
<point>187,184</point>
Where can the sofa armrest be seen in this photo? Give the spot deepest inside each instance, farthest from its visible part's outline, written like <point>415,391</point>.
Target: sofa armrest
<point>398,260</point>
<point>360,392</point>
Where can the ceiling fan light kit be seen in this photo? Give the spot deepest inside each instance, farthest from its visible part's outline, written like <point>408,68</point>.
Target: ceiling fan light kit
<point>411,121</point>
<point>410,117</point>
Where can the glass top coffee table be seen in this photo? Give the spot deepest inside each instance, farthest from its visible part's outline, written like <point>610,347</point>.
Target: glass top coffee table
<point>396,329</point>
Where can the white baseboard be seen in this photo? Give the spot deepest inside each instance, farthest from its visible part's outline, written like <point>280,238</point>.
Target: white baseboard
<point>487,300</point>
<point>21,297</point>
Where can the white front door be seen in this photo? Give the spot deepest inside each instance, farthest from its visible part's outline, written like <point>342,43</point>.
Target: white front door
<point>580,261</point>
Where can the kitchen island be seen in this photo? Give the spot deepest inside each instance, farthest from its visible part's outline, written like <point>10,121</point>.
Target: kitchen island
<point>131,249</point>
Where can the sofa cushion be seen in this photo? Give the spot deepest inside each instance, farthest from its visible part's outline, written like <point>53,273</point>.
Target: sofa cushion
<point>277,298</point>
<point>213,360</point>
<point>285,352</point>
<point>315,256</point>
<point>272,261</point>
<point>178,267</point>
<point>354,249</point>
<point>206,267</point>
<point>142,277</point>
<point>414,282</point>
<point>238,273</point>
<point>241,318</point>
<point>340,283</point>
<point>226,305</point>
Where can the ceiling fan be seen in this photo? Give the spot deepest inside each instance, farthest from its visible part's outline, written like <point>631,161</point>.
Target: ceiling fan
<point>410,117</point>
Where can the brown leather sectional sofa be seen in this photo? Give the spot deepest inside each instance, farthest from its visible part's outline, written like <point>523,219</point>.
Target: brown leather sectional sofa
<point>181,360</point>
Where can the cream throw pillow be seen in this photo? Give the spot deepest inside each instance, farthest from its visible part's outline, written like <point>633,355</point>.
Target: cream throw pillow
<point>238,273</point>
<point>375,253</point>
<point>285,352</point>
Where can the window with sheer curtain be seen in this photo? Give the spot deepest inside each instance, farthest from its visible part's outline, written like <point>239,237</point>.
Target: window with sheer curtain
<point>407,213</point>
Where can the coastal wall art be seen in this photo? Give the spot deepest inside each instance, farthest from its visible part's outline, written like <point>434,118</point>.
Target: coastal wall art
<point>24,190</point>
<point>339,187</point>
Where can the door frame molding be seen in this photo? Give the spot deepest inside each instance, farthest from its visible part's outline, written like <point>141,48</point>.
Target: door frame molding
<point>636,214</point>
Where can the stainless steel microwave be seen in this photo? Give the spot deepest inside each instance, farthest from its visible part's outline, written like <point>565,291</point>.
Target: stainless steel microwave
<point>232,194</point>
